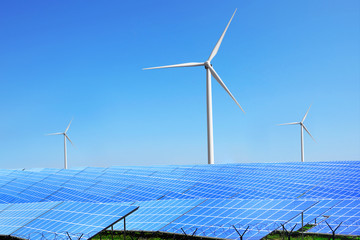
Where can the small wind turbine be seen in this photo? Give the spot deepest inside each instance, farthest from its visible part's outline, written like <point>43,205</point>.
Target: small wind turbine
<point>209,71</point>
<point>302,126</point>
<point>65,137</point>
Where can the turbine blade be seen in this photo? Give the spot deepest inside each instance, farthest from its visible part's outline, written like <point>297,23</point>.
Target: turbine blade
<point>308,133</point>
<point>218,79</point>
<point>192,64</point>
<point>68,126</point>
<point>69,140</point>
<point>306,114</point>
<point>217,46</point>
<point>292,123</point>
<point>54,134</point>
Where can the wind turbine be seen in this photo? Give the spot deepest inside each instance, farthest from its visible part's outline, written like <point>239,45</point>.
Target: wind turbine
<point>302,126</point>
<point>209,71</point>
<point>65,137</point>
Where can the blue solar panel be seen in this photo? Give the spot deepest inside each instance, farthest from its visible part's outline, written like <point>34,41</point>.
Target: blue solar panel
<point>107,189</point>
<point>39,191</point>
<point>314,214</point>
<point>73,218</point>
<point>216,218</point>
<point>17,215</point>
<point>66,194</point>
<point>154,215</point>
<point>346,212</point>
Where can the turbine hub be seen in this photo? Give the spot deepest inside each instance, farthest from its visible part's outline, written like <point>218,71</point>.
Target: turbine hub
<point>207,64</point>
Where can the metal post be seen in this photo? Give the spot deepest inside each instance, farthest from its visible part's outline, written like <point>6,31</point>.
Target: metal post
<point>194,232</point>
<point>287,232</point>
<point>241,235</point>
<point>302,225</point>
<point>333,230</point>
<point>183,232</point>
<point>112,232</point>
<point>283,231</point>
<point>124,229</point>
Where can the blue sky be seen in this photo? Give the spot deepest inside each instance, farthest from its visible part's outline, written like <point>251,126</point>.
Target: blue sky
<point>83,59</point>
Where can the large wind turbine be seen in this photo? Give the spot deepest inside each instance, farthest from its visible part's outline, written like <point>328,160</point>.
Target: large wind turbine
<point>65,137</point>
<point>302,126</point>
<point>209,71</point>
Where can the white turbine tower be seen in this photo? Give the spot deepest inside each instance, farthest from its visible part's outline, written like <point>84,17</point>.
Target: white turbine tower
<point>65,137</point>
<point>209,71</point>
<point>302,126</point>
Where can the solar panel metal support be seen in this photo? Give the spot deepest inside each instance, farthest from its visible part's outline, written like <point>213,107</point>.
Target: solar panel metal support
<point>302,225</point>
<point>194,232</point>
<point>241,235</point>
<point>124,228</point>
<point>112,232</point>
<point>333,230</point>
<point>183,232</point>
<point>287,232</point>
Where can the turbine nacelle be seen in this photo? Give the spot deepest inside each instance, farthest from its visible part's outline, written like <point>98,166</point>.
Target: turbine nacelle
<point>207,64</point>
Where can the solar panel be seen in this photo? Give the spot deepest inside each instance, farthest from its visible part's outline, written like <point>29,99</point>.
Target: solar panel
<point>154,215</point>
<point>346,212</point>
<point>216,217</point>
<point>73,219</point>
<point>66,194</point>
<point>312,215</point>
<point>17,215</point>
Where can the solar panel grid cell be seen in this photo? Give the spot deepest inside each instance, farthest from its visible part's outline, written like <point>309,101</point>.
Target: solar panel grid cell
<point>66,194</point>
<point>138,193</point>
<point>107,189</point>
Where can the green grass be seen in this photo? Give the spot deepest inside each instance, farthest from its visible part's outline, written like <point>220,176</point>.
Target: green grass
<point>277,235</point>
<point>130,235</point>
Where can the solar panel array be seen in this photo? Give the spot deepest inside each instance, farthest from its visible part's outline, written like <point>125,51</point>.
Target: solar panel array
<point>174,198</point>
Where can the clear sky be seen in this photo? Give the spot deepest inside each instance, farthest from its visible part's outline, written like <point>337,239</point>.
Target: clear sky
<point>83,60</point>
